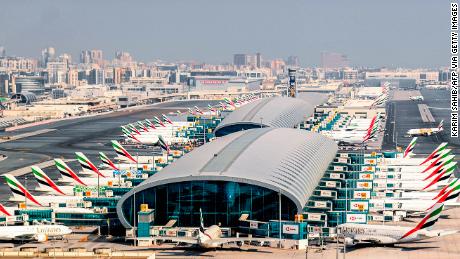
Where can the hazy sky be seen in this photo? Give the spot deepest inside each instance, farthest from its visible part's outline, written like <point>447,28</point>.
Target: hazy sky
<point>372,33</point>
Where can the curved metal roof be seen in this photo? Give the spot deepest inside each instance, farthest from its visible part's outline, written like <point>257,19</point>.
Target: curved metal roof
<point>278,112</point>
<point>287,160</point>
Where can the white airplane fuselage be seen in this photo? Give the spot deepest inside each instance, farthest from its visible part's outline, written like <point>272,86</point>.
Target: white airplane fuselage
<point>34,232</point>
<point>382,234</point>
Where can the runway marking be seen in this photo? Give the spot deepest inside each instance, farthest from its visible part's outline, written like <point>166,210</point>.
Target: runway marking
<point>425,113</point>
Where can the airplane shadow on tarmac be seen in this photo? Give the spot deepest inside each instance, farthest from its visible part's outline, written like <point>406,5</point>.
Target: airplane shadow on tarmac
<point>401,247</point>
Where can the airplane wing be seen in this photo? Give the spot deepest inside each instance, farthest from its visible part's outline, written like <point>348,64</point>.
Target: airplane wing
<point>373,239</point>
<point>186,240</point>
<point>229,240</point>
<point>21,237</point>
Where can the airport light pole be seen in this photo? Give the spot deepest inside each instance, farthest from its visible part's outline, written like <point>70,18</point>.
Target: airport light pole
<point>134,216</point>
<point>280,231</point>
<point>25,196</point>
<point>261,120</point>
<point>98,185</point>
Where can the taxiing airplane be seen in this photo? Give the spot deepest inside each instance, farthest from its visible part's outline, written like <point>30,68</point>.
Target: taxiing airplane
<point>426,131</point>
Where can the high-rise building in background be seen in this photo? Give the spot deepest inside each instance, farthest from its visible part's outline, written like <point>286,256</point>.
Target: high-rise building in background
<point>2,51</point>
<point>85,57</point>
<point>65,58</point>
<point>96,77</point>
<point>57,72</point>
<point>240,60</point>
<point>123,58</point>
<point>117,73</point>
<point>4,84</point>
<point>48,55</point>
<point>293,61</point>
<point>251,60</point>
<point>258,60</point>
<point>72,77</point>
<point>333,60</point>
<point>96,56</point>
<point>91,57</point>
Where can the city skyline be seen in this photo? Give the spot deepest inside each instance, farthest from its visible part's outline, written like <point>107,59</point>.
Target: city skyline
<point>202,31</point>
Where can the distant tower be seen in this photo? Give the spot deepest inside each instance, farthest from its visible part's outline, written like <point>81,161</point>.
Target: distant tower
<point>85,57</point>
<point>258,60</point>
<point>2,51</point>
<point>47,55</point>
<point>293,61</point>
<point>292,87</point>
<point>240,60</point>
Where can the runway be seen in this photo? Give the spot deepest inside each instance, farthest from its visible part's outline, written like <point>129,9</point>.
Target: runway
<point>403,115</point>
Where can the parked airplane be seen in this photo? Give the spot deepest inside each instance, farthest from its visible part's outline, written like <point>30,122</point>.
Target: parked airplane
<point>122,166</point>
<point>39,233</point>
<point>426,131</point>
<point>89,168</point>
<point>385,234</point>
<point>45,184</point>
<point>410,148</point>
<point>211,237</point>
<point>21,194</point>
<point>70,177</point>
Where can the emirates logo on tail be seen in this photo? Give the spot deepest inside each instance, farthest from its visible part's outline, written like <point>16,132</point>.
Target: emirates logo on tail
<point>428,221</point>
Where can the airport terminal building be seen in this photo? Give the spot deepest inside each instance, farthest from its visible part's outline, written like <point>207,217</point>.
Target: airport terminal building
<point>258,160</point>
<point>242,173</point>
<point>259,163</point>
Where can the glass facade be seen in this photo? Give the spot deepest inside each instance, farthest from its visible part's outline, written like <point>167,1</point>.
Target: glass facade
<point>224,131</point>
<point>222,203</point>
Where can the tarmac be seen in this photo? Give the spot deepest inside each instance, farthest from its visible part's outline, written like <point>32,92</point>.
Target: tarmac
<point>445,247</point>
<point>403,114</point>
<point>60,139</point>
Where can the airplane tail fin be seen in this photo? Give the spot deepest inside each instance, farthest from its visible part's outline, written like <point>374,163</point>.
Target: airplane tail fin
<point>150,124</point>
<point>142,126</point>
<point>121,151</point>
<point>201,222</point>
<point>18,189</point>
<point>443,175</point>
<point>87,164</point>
<point>106,161</point>
<point>451,193</point>
<point>44,181</point>
<point>66,171</point>
<point>428,221</point>
<point>446,167</point>
<point>440,159</point>
<point>128,132</point>
<point>446,188</point>
<point>163,144</point>
<point>410,148</point>
<point>165,118</point>
<point>134,129</point>
<point>158,121</point>
<point>4,211</point>
<point>440,126</point>
<point>435,152</point>
<point>198,110</point>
